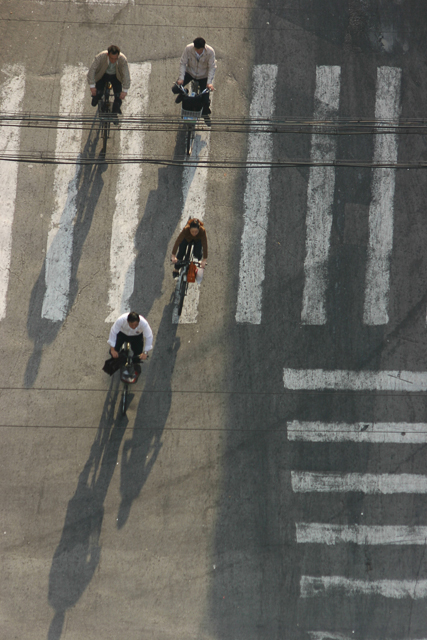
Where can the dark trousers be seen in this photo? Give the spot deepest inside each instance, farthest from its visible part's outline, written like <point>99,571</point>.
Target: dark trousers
<point>117,88</point>
<point>197,251</point>
<point>136,342</point>
<point>202,84</point>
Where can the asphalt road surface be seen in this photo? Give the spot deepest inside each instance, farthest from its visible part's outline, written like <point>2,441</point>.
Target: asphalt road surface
<point>269,479</point>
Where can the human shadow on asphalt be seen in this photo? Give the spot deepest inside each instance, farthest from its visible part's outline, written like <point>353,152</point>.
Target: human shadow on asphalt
<point>89,187</point>
<point>141,451</point>
<point>78,553</point>
<point>162,214</point>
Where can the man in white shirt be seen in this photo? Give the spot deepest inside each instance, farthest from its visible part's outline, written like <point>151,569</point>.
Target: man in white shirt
<point>198,63</point>
<point>133,328</point>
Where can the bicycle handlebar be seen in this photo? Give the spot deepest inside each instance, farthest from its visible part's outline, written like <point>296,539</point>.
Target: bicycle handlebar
<point>188,95</point>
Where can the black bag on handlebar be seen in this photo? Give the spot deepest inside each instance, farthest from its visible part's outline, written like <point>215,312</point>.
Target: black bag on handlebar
<point>195,103</point>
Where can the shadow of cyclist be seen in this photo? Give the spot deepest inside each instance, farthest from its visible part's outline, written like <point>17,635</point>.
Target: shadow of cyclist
<point>78,553</point>
<point>140,452</point>
<point>89,183</point>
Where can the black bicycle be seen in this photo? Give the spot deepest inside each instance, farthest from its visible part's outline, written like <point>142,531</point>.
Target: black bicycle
<point>106,115</point>
<point>188,269</point>
<point>129,373</point>
<point>191,110</point>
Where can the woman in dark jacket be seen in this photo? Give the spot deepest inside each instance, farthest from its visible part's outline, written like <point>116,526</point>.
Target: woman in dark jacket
<point>194,232</point>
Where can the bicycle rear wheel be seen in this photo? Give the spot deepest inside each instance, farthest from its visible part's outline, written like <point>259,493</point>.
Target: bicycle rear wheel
<point>105,134</point>
<point>125,399</point>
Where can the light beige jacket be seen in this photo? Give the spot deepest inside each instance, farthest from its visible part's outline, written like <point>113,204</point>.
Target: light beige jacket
<point>205,67</point>
<point>100,65</point>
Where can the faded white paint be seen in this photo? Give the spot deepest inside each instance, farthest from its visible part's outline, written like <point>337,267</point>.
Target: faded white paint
<point>194,192</point>
<point>344,380</point>
<point>327,635</point>
<point>381,210</point>
<point>398,432</point>
<point>11,97</point>
<point>326,585</point>
<point>332,534</point>
<point>126,213</point>
<point>256,200</point>
<point>320,198</point>
<point>369,483</point>
<point>65,188</point>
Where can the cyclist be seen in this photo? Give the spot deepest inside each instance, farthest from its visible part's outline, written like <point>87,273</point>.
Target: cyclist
<point>133,328</point>
<point>110,65</point>
<point>198,63</point>
<point>193,232</point>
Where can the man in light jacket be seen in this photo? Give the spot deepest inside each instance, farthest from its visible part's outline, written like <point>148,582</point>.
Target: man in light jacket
<point>198,63</point>
<point>110,65</point>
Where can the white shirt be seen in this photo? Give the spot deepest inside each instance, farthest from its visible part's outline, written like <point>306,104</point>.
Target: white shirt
<point>121,324</point>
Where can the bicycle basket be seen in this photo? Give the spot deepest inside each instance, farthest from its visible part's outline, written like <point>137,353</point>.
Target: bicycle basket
<point>191,273</point>
<point>192,108</point>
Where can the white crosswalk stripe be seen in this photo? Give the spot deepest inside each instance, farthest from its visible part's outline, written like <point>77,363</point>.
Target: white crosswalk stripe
<point>320,198</point>
<point>60,238</point>
<point>311,586</point>
<point>194,192</point>
<point>381,211</point>
<point>126,213</point>
<point>11,97</point>
<point>392,432</point>
<point>256,201</point>
<point>345,380</point>
<point>332,534</point>
<point>369,483</point>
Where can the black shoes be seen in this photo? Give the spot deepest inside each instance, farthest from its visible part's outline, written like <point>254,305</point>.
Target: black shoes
<point>175,274</point>
<point>95,100</point>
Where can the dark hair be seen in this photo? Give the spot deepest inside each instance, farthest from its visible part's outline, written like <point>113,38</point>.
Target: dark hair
<point>199,43</point>
<point>133,317</point>
<point>195,224</point>
<point>113,49</point>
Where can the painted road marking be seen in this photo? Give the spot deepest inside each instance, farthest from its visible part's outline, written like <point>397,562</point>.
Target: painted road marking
<point>65,188</point>
<point>320,198</point>
<point>326,585</point>
<point>344,380</point>
<point>331,534</point>
<point>256,200</point>
<point>328,635</point>
<point>369,483</point>
<point>194,191</point>
<point>397,432</point>
<point>381,211</point>
<point>125,218</point>
<point>11,97</point>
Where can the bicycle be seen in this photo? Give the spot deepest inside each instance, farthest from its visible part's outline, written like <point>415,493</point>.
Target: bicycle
<point>188,273</point>
<point>129,373</point>
<point>105,114</point>
<point>191,111</point>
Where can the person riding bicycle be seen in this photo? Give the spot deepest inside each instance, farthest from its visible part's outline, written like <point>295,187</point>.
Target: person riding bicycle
<point>110,65</point>
<point>133,328</point>
<point>193,232</point>
<point>198,63</point>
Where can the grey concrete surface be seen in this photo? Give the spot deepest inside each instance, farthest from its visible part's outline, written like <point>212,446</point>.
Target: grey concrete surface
<point>178,521</point>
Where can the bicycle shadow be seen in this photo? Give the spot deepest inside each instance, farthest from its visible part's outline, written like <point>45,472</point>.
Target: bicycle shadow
<point>79,550</point>
<point>88,183</point>
<point>141,451</point>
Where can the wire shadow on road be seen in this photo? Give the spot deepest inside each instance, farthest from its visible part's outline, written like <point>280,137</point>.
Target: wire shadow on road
<point>43,331</point>
<point>79,550</point>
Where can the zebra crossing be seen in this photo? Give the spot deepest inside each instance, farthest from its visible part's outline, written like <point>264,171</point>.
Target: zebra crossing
<point>255,205</point>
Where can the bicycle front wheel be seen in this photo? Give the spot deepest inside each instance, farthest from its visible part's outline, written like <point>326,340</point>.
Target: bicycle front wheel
<point>182,292</point>
<point>190,138</point>
<point>125,399</point>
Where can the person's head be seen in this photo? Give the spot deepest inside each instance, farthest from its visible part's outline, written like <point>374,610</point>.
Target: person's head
<point>133,319</point>
<point>113,53</point>
<point>199,44</point>
<point>194,227</point>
